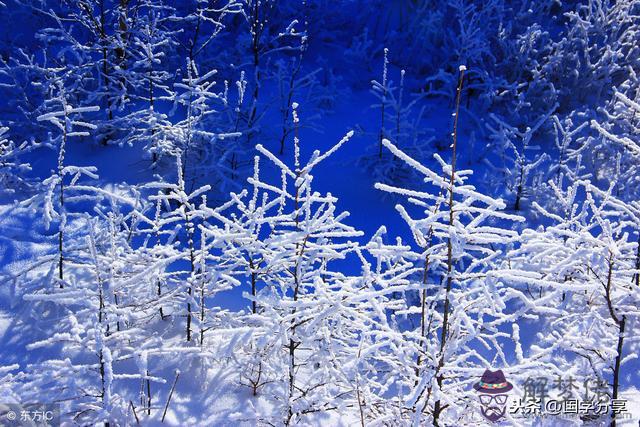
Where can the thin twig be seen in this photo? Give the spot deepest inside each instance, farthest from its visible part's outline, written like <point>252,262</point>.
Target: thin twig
<point>170,395</point>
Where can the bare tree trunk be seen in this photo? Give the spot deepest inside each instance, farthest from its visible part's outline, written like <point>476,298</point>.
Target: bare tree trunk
<point>105,68</point>
<point>60,239</point>
<point>637,275</point>
<point>135,415</point>
<point>158,282</point>
<point>254,305</point>
<point>148,395</point>
<point>159,295</point>
<point>154,155</point>
<point>101,318</point>
<point>115,301</point>
<point>621,323</point>
<point>358,394</point>
<point>190,289</point>
<point>189,226</point>
<point>122,29</point>
<point>423,310</point>
<point>61,155</point>
<point>292,367</point>
<point>516,205</point>
<point>256,384</point>
<point>293,345</point>
<point>173,387</point>
<point>437,409</point>
<point>616,368</point>
<point>256,33</point>
<point>287,107</point>
<point>381,136</point>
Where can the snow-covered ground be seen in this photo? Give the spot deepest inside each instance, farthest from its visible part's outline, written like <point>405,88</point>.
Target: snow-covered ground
<point>280,212</point>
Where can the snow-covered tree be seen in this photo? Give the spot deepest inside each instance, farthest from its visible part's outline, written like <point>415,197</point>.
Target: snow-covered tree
<point>459,236</point>
<point>95,50</point>
<point>401,122</point>
<point>101,315</point>
<point>10,380</point>
<point>265,40</point>
<point>202,21</point>
<point>570,145</point>
<point>379,358</point>
<point>599,47</point>
<point>203,149</point>
<point>241,234</point>
<point>12,168</point>
<point>302,240</point>
<point>262,298</point>
<point>184,211</point>
<point>291,83</point>
<point>519,156</point>
<point>585,267</point>
<point>51,199</point>
<point>617,149</point>
<point>149,76</point>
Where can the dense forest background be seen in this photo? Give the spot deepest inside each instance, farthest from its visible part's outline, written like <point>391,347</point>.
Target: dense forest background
<point>278,212</point>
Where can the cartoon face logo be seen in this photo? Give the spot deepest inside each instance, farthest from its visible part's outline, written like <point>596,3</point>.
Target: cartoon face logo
<point>492,389</point>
